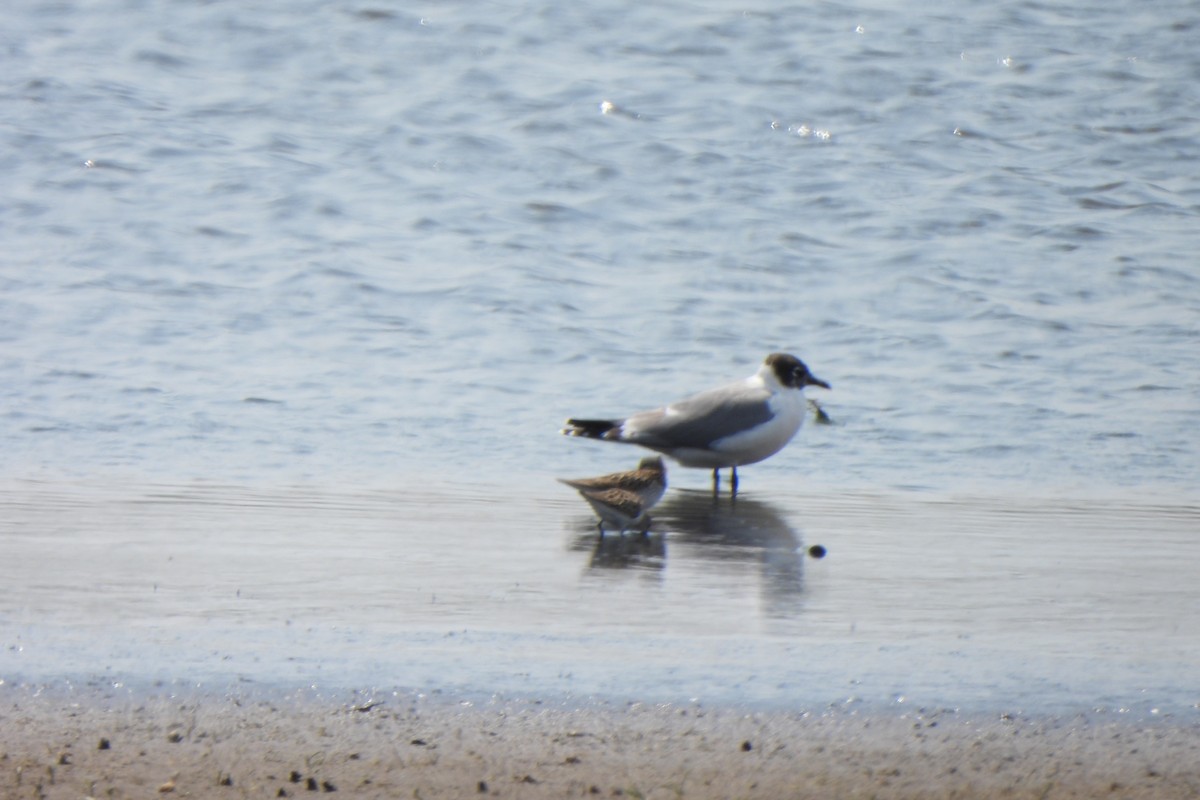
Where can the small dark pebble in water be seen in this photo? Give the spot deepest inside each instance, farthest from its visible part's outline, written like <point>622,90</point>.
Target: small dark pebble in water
<point>295,777</point>
<point>817,551</point>
<point>746,746</point>
<point>104,744</point>
<point>311,785</point>
<point>282,792</point>
<point>326,786</point>
<point>482,787</point>
<point>226,780</point>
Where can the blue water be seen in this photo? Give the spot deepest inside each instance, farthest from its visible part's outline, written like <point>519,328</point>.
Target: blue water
<point>313,242</point>
<point>363,249</point>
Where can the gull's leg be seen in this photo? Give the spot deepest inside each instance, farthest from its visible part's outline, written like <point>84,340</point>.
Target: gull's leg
<point>733,481</point>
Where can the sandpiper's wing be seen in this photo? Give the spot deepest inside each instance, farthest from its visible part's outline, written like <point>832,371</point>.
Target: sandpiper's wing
<point>633,481</point>
<point>650,471</point>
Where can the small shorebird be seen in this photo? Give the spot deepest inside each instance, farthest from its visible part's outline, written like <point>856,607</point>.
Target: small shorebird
<point>620,508</point>
<point>648,481</point>
<point>730,426</point>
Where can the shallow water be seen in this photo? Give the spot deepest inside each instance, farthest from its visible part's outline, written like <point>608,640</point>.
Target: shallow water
<point>958,602</point>
<point>380,255</point>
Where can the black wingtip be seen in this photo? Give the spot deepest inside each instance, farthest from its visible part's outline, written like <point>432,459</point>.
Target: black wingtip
<point>589,428</point>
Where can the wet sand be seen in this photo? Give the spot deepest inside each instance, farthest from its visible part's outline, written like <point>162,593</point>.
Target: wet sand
<point>91,742</point>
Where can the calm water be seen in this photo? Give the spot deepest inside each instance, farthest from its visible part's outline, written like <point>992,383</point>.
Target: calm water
<point>971,603</point>
<point>382,254</point>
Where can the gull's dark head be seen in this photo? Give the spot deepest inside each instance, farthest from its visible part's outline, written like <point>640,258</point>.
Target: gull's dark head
<point>791,372</point>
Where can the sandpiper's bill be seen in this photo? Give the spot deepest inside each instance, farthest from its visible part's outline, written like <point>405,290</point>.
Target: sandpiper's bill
<point>730,426</point>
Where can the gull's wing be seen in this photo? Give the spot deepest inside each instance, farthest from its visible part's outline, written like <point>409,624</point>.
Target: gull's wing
<point>701,419</point>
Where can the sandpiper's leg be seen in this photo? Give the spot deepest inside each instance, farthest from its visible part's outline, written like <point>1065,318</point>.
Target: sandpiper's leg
<point>716,481</point>
<point>600,526</point>
<point>733,481</point>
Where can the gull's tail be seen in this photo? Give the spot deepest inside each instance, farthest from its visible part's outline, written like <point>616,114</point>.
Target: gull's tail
<point>593,428</point>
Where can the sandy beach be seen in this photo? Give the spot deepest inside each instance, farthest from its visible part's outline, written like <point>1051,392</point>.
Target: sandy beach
<point>103,743</point>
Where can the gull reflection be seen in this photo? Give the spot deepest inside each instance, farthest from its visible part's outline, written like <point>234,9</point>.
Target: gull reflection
<point>728,533</point>
<point>718,536</point>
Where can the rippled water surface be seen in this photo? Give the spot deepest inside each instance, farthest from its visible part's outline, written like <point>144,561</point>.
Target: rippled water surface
<point>298,295</point>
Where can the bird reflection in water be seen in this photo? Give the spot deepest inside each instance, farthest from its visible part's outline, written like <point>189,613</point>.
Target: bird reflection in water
<point>727,535</point>
<point>716,535</point>
<point>645,551</point>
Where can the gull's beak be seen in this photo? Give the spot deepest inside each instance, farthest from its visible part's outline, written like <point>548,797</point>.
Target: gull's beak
<point>813,380</point>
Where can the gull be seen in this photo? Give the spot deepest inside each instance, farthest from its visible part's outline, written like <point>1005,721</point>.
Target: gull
<point>648,481</point>
<point>620,508</point>
<point>730,426</point>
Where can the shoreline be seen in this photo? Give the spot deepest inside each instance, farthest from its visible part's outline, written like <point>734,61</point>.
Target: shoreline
<point>101,741</point>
